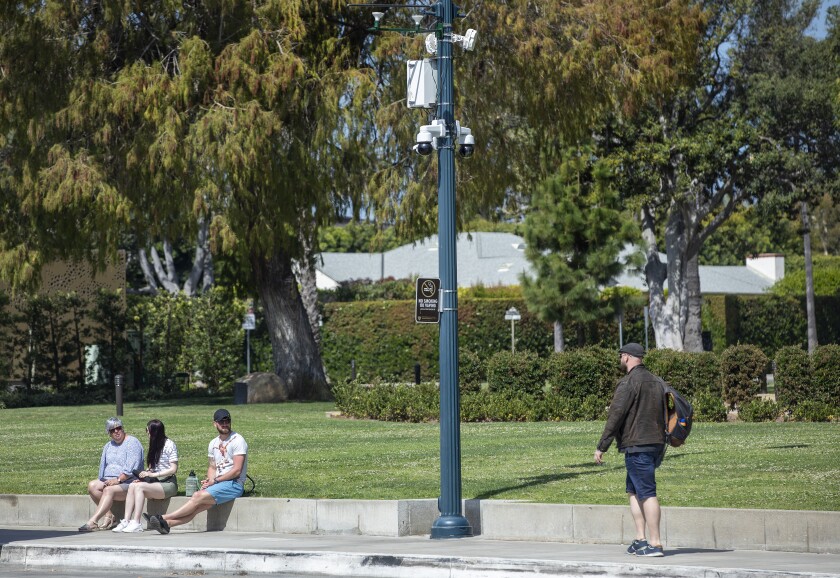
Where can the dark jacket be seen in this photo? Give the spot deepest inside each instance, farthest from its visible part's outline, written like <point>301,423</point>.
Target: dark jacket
<point>636,416</point>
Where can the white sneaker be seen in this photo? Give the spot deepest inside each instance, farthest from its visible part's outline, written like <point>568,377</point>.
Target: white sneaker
<point>133,526</point>
<point>121,526</point>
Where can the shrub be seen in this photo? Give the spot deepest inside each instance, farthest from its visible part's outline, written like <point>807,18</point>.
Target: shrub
<point>792,377</point>
<point>515,373</point>
<point>758,409</point>
<point>825,374</point>
<point>743,369</point>
<point>812,410</point>
<point>471,371</point>
<point>708,406</point>
<point>500,406</point>
<point>578,373</point>
<point>688,372</point>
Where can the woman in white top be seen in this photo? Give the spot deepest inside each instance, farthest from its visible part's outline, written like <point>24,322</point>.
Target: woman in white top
<point>158,481</point>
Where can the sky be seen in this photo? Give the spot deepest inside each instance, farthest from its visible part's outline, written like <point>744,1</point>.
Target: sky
<point>817,29</point>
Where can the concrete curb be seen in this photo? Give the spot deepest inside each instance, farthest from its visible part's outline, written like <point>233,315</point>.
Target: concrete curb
<point>719,528</point>
<point>241,562</point>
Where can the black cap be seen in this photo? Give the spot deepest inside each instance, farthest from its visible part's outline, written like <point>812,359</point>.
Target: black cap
<point>633,349</point>
<point>221,414</point>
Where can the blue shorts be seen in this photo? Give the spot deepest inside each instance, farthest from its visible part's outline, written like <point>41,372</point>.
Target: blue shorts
<point>641,474</point>
<point>225,491</point>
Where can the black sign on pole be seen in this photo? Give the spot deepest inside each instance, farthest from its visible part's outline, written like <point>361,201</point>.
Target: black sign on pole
<point>427,304</point>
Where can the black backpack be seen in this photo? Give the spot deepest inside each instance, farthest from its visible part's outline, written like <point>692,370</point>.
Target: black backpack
<point>679,416</point>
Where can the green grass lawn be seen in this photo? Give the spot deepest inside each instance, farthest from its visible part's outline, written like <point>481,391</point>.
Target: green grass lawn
<point>296,451</point>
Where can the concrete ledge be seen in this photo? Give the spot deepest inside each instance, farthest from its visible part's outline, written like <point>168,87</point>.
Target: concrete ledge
<point>716,528</point>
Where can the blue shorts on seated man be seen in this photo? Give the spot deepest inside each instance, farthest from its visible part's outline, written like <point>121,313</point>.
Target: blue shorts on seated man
<point>226,491</point>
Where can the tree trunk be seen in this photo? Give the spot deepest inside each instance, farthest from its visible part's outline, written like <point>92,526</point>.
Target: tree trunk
<point>309,287</point>
<point>665,312</point>
<point>809,279</point>
<point>559,341</point>
<point>295,354</point>
<point>693,340</point>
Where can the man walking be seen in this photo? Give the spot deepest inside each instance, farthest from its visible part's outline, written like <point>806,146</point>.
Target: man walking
<point>637,423</point>
<point>225,481</point>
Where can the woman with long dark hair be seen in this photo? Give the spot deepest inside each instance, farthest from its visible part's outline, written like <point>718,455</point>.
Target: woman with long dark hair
<point>157,482</point>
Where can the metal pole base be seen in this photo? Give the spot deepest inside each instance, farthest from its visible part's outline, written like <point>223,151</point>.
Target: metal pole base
<point>451,527</point>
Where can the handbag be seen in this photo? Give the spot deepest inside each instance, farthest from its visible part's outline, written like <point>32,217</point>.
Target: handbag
<point>152,479</point>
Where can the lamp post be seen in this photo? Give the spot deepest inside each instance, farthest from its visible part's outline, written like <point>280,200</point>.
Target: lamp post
<point>443,134</point>
<point>513,315</point>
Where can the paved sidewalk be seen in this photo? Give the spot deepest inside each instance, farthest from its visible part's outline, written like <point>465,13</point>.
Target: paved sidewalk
<point>248,553</point>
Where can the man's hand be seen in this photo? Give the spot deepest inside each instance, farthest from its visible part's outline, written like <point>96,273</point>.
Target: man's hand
<point>599,457</point>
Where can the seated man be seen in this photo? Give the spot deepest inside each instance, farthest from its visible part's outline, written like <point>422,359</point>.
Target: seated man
<point>225,481</point>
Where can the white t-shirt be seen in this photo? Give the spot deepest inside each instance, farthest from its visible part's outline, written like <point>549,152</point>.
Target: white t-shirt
<point>168,454</point>
<point>222,452</point>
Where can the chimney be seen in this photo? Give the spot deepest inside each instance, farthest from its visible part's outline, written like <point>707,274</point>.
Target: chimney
<point>770,265</point>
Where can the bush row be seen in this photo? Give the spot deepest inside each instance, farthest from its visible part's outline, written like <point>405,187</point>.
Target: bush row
<point>578,384</point>
<point>385,342</point>
<point>390,402</point>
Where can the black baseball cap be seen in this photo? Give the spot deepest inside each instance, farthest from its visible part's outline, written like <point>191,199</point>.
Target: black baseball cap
<point>633,349</point>
<point>221,414</point>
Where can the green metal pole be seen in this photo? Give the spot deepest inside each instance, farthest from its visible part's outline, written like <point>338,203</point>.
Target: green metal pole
<point>451,523</point>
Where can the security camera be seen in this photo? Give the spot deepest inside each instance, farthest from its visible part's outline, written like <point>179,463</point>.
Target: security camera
<point>424,143</point>
<point>467,147</point>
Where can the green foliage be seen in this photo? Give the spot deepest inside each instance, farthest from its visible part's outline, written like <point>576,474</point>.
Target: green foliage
<point>357,238</point>
<point>366,290</point>
<point>471,371</point>
<point>516,373</point>
<point>199,338</point>
<point>6,339</point>
<point>792,378</point>
<point>497,292</point>
<point>580,373</point>
<point>750,231</point>
<point>688,372</point>
<point>708,407</point>
<point>743,368</point>
<point>386,342</point>
<point>388,402</point>
<point>826,282</point>
<point>574,232</point>
<point>507,406</point>
<point>816,411</point>
<point>825,374</point>
<point>758,409</point>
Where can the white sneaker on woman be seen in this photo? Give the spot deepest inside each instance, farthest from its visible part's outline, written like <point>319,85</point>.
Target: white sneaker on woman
<point>133,526</point>
<point>121,526</point>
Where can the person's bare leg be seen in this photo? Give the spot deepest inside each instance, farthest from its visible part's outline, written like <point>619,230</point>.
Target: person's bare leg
<point>638,516</point>
<point>109,495</point>
<point>151,491</point>
<point>652,515</point>
<point>199,502</point>
<point>95,488</point>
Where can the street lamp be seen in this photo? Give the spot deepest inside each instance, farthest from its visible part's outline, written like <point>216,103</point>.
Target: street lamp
<point>430,84</point>
<point>513,315</point>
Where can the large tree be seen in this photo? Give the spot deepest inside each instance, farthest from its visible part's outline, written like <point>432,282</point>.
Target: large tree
<point>119,117</point>
<point>690,161</point>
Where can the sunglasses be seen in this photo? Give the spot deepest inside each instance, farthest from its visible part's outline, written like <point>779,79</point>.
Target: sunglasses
<point>226,420</point>
<point>118,428</point>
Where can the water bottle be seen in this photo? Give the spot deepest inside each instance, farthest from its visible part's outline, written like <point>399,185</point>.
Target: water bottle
<point>192,484</point>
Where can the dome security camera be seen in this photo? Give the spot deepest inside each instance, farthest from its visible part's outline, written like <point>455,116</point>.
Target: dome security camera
<point>424,143</point>
<point>467,147</point>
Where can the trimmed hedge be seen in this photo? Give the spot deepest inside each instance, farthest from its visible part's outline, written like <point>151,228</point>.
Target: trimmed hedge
<point>515,373</point>
<point>578,373</point>
<point>825,374</point>
<point>743,368</point>
<point>792,376</point>
<point>688,372</point>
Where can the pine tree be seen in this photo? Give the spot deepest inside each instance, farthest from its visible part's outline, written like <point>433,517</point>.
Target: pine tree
<point>575,231</point>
